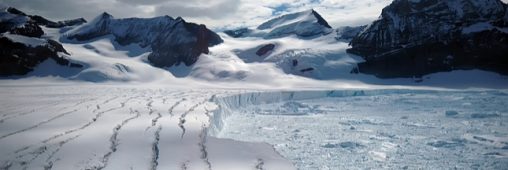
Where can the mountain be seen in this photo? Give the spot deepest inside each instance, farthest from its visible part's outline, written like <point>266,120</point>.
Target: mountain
<point>173,41</point>
<point>22,46</point>
<point>39,20</point>
<point>304,24</point>
<point>413,38</point>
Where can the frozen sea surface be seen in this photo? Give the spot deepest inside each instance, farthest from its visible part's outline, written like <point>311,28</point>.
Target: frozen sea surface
<point>409,130</point>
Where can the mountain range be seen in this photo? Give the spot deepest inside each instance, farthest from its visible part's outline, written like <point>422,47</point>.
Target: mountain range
<point>411,39</point>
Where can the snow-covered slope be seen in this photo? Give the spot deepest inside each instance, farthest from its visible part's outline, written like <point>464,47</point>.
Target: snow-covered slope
<point>304,24</point>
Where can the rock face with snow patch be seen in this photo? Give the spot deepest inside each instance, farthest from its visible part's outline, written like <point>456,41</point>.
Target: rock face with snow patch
<point>21,46</point>
<point>39,20</point>
<point>20,54</point>
<point>417,37</point>
<point>173,41</point>
<point>304,24</point>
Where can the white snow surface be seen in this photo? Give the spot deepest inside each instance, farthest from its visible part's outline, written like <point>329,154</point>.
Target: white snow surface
<point>108,127</point>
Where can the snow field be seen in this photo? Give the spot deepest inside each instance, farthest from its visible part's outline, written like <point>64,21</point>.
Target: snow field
<point>107,127</point>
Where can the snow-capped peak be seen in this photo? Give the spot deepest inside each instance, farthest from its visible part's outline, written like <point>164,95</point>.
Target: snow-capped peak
<point>304,16</point>
<point>304,24</point>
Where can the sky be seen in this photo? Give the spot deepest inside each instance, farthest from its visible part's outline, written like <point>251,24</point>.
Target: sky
<point>215,14</point>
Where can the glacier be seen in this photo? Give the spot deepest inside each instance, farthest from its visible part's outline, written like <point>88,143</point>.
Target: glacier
<point>132,127</point>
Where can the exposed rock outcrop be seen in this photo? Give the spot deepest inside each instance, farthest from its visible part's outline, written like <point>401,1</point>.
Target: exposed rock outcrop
<point>417,37</point>
<point>21,45</point>
<point>265,49</point>
<point>21,54</point>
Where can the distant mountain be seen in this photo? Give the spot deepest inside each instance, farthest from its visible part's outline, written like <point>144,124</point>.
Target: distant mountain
<point>173,41</point>
<point>304,24</point>
<point>39,20</point>
<point>417,37</point>
<point>22,46</point>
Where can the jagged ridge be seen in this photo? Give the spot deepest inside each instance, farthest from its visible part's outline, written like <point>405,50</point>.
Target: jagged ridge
<point>173,41</point>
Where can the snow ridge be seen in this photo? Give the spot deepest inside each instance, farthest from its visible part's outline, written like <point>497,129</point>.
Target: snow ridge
<point>304,24</point>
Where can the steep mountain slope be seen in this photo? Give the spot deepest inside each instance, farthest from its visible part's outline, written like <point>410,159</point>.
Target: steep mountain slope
<point>413,38</point>
<point>173,41</point>
<point>304,24</point>
<point>22,46</point>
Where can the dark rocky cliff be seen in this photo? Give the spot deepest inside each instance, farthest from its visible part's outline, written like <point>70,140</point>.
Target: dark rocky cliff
<point>417,37</point>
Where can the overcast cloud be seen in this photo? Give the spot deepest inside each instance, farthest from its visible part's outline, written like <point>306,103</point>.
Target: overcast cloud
<point>216,14</point>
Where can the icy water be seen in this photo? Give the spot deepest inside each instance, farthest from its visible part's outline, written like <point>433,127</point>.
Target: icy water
<point>413,130</point>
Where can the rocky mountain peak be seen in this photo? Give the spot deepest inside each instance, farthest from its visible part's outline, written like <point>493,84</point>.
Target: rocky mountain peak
<point>320,19</point>
<point>414,32</point>
<point>173,41</point>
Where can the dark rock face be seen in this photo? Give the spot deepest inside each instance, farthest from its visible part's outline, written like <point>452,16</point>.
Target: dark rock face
<point>29,29</point>
<point>18,58</point>
<point>320,19</point>
<point>166,53</point>
<point>265,49</point>
<point>414,38</point>
<point>173,41</point>
<point>306,69</point>
<point>21,45</point>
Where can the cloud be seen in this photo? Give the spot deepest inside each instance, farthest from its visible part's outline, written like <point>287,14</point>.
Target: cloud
<point>199,8</point>
<point>216,14</point>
